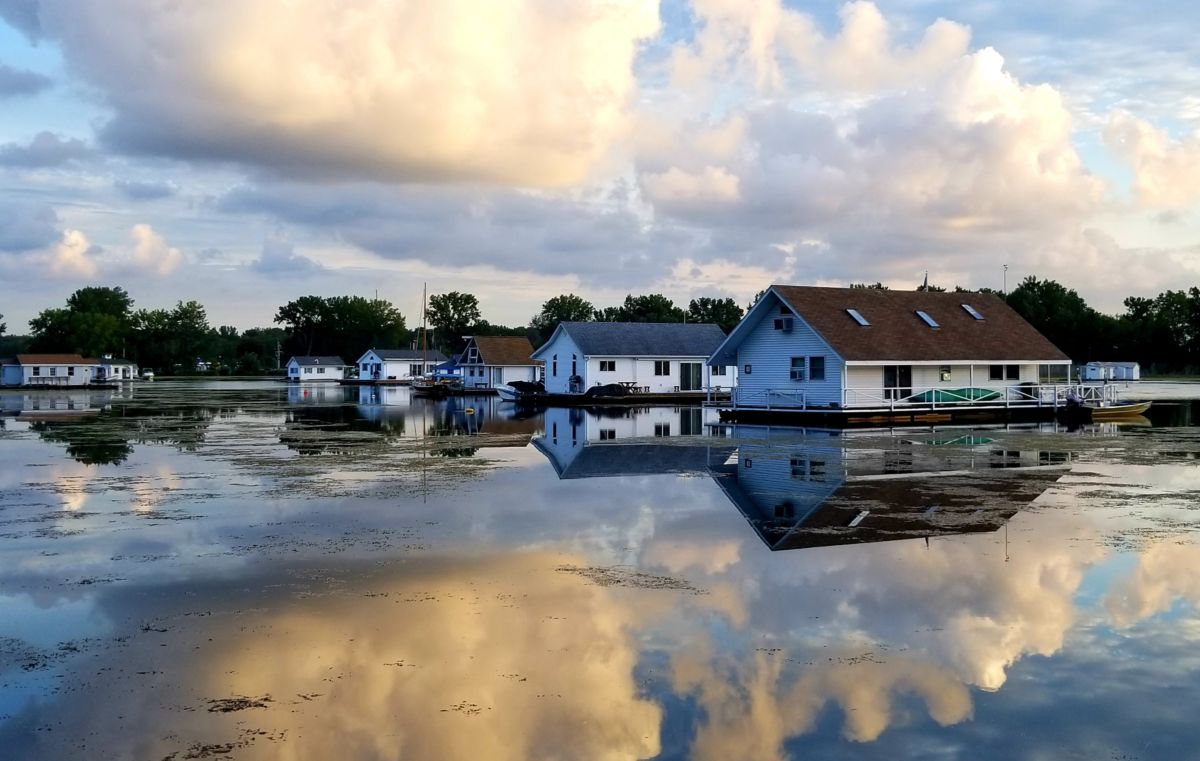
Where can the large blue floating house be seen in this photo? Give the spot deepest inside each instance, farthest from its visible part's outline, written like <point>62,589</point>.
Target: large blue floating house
<point>842,351</point>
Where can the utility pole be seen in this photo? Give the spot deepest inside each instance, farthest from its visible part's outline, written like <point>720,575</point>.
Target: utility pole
<point>1005,291</point>
<point>278,354</point>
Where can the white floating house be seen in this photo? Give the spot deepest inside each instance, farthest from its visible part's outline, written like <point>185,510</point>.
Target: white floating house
<point>1107,371</point>
<point>806,348</point>
<point>315,369</point>
<point>490,361</point>
<point>650,357</point>
<point>114,369</point>
<point>398,364</point>
<point>47,370</point>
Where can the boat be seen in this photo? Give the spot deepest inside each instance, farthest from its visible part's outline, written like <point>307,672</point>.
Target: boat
<point>1118,410</point>
<point>507,393</point>
<point>435,387</point>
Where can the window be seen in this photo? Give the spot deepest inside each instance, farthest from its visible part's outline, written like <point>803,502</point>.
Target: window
<point>662,367</point>
<point>718,370</point>
<point>745,369</point>
<point>71,370</point>
<point>53,371</point>
<point>784,324</point>
<point>608,365</point>
<point>798,469</point>
<point>816,470</point>
<point>925,318</point>
<point>320,371</point>
<point>662,429</point>
<point>854,313</point>
<point>785,509</point>
<point>1012,372</point>
<point>996,372</point>
<point>608,434</point>
<point>554,366</point>
<point>749,462</point>
<point>816,368</point>
<point>797,368</point>
<point>784,310</point>
<point>944,373</point>
<point>37,371</point>
<point>414,369</point>
<point>972,311</point>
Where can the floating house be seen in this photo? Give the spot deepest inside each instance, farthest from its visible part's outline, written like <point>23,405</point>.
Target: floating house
<point>48,370</point>
<point>653,358</point>
<point>397,364</point>
<point>1110,371</point>
<point>111,369</point>
<point>809,349</point>
<point>490,361</point>
<point>315,369</point>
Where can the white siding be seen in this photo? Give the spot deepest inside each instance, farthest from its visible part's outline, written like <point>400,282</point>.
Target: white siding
<point>769,352</point>
<point>57,375</point>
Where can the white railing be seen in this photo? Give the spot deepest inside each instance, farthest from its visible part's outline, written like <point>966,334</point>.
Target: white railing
<point>933,397</point>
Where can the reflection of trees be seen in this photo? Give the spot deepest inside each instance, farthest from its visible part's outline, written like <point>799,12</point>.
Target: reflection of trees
<point>311,431</point>
<point>86,442</point>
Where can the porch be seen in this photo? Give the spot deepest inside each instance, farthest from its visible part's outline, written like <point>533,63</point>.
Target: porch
<point>910,399</point>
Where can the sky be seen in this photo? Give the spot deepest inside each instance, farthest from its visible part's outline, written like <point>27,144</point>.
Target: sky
<point>245,154</point>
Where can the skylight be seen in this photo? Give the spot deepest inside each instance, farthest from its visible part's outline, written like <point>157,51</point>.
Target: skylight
<point>927,319</point>
<point>858,317</point>
<point>972,311</point>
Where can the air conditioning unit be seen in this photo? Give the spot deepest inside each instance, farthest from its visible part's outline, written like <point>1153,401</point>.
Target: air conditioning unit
<point>784,324</point>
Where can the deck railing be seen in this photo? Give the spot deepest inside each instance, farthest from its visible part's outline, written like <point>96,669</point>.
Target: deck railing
<point>932,397</point>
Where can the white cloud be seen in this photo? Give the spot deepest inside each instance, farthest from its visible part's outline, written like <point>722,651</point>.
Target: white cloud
<point>70,256</point>
<point>1166,170</point>
<point>151,253</point>
<point>530,93</point>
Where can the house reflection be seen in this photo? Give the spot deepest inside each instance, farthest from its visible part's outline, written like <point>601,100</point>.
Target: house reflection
<point>55,405</point>
<point>591,443</point>
<point>802,487</point>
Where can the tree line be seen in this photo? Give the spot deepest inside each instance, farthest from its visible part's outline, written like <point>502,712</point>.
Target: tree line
<point>1161,333</point>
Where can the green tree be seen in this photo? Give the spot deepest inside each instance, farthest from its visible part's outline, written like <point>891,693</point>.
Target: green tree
<point>3,327</point>
<point>303,318</point>
<point>723,312</point>
<point>565,308</point>
<point>653,307</point>
<point>94,322</point>
<point>451,315</point>
<point>1064,317</point>
<point>190,333</point>
<point>353,324</point>
<point>608,314</point>
<point>876,286</point>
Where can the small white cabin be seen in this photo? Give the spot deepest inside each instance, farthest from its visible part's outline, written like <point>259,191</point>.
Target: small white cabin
<point>48,370</point>
<point>111,369</point>
<point>1108,371</point>
<point>805,347</point>
<point>398,364</point>
<point>315,369</point>
<point>651,357</point>
<point>490,361</point>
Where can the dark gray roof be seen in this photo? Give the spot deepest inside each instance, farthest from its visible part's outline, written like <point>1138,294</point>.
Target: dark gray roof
<point>327,361</point>
<point>431,355</point>
<point>645,339</point>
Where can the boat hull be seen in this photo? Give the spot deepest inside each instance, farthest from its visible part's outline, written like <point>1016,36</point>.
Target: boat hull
<point>1119,411</point>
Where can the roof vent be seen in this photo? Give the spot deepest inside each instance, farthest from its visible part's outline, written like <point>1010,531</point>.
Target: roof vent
<point>927,319</point>
<point>972,311</point>
<point>858,317</point>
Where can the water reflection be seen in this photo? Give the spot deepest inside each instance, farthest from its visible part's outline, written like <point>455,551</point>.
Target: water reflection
<point>607,592</point>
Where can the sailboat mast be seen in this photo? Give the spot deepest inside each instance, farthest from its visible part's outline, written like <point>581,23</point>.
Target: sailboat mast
<point>424,332</point>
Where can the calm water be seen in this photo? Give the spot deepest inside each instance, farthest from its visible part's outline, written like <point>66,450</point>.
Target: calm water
<point>254,571</point>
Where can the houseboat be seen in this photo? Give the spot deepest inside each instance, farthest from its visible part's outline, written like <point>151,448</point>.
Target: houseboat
<point>491,361</point>
<point>869,356</point>
<point>397,366</point>
<point>113,369</point>
<point>315,369</point>
<point>642,358</point>
<point>48,370</point>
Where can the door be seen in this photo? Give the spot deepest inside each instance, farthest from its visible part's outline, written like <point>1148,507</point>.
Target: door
<point>897,381</point>
<point>689,376</point>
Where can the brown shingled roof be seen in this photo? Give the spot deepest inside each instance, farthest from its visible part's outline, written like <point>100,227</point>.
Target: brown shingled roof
<point>897,333</point>
<point>54,359</point>
<point>504,350</point>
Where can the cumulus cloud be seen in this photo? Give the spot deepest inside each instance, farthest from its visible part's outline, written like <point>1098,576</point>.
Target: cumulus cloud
<point>46,149</point>
<point>1166,170</point>
<point>21,82</point>
<point>145,190</point>
<point>33,239</point>
<point>941,157</point>
<point>529,93</point>
<point>151,253</point>
<point>279,257</point>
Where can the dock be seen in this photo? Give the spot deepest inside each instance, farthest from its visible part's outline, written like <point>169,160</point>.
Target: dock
<point>629,400</point>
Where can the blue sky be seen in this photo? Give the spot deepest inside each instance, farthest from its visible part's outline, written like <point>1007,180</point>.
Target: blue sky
<point>243,157</point>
